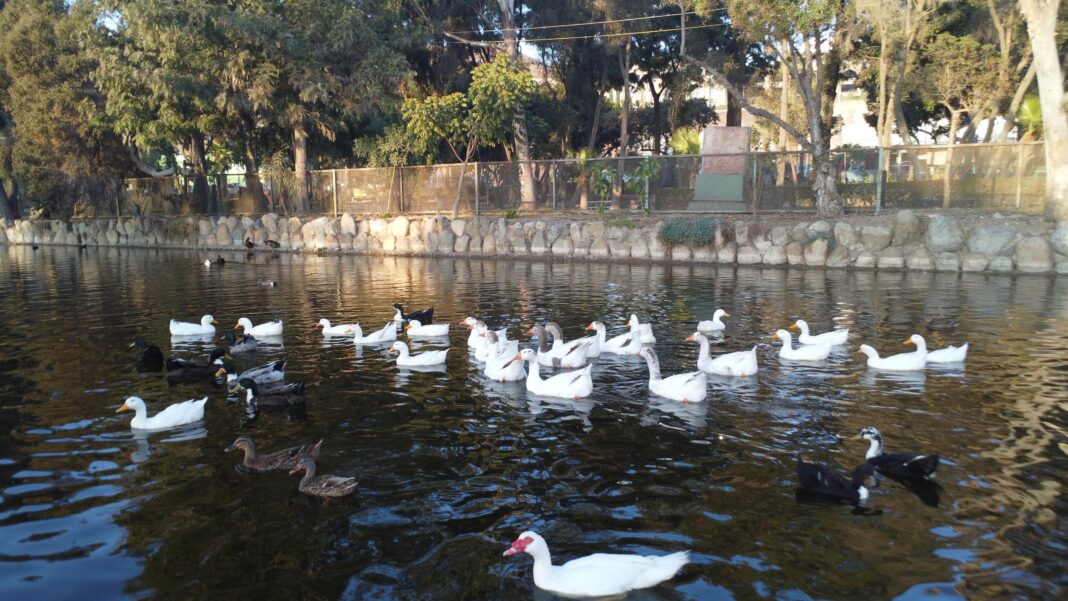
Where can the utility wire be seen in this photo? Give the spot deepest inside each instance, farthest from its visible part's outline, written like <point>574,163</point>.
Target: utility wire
<point>566,25</point>
<point>605,35</point>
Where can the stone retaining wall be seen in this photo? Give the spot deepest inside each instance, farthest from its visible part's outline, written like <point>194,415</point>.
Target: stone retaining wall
<point>904,240</point>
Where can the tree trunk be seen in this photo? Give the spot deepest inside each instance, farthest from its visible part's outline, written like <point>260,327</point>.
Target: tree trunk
<point>882,127</point>
<point>300,167</point>
<point>1017,100</point>
<point>460,180</point>
<point>597,110</point>
<point>734,112</point>
<point>252,171</point>
<point>784,113</point>
<point>624,115</point>
<point>947,178</point>
<point>9,202</point>
<point>657,132</point>
<point>825,185</point>
<point>201,190</point>
<point>519,120</point>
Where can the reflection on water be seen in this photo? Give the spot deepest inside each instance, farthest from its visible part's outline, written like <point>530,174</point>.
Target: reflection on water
<point>452,467</point>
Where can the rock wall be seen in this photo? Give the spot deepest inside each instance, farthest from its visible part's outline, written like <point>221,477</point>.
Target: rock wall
<point>903,240</point>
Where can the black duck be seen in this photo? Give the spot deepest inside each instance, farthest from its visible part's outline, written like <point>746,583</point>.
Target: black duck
<point>819,479</point>
<point>274,398</point>
<point>902,465</point>
<point>425,317</point>
<point>149,357</point>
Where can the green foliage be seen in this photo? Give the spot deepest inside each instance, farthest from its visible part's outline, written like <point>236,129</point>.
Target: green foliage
<point>686,140</point>
<point>623,222</point>
<point>511,214</point>
<point>393,148</point>
<point>604,177</point>
<point>386,215</point>
<point>692,231</point>
<point>1030,117</point>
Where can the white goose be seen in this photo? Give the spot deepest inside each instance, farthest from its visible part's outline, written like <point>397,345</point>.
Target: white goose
<point>501,365</point>
<point>914,361</point>
<point>571,385</point>
<point>644,330</point>
<point>177,414</point>
<point>434,330</point>
<point>342,329</point>
<point>687,388</point>
<point>593,342</point>
<point>270,328</point>
<point>184,328</point>
<point>715,324</point>
<point>597,575</point>
<point>741,363</point>
<point>473,339</point>
<point>386,334</point>
<point>811,352</point>
<point>950,354</point>
<point>559,355</point>
<point>422,359</point>
<point>833,338</point>
<point>624,344</point>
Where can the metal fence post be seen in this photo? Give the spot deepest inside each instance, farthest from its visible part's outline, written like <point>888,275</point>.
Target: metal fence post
<point>478,177</point>
<point>880,175</point>
<point>552,181</point>
<point>333,188</point>
<point>1019,173</point>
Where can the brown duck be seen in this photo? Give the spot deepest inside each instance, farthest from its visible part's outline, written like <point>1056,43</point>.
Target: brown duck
<point>285,459</point>
<point>322,486</point>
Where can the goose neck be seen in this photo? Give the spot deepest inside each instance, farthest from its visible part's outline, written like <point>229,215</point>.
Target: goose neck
<point>875,449</point>
<point>654,367</point>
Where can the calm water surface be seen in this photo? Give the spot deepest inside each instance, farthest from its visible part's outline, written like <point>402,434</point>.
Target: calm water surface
<point>452,468</point>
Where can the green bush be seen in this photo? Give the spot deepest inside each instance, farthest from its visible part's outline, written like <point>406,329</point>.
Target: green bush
<point>828,236</point>
<point>511,214</point>
<point>694,231</point>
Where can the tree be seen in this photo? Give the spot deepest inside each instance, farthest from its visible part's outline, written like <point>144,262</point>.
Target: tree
<point>813,57</point>
<point>958,75</point>
<point>1042,20</point>
<point>484,115</point>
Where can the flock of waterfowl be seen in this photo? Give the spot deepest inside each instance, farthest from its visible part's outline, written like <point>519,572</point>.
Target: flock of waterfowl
<point>502,360</point>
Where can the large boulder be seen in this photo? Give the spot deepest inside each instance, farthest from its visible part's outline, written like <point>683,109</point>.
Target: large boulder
<point>446,241</point>
<point>379,228</point>
<point>876,237</point>
<point>947,261</point>
<point>562,246</point>
<point>993,238</point>
<point>489,245</point>
<point>918,258</point>
<point>1059,238</point>
<point>538,245</point>
<point>795,253</point>
<point>1000,264</point>
<point>865,259</point>
<point>724,254</point>
<point>839,257</point>
<point>970,261</point>
<point>891,258</point>
<point>779,235</point>
<point>944,234</point>
<point>816,253</point>
<point>461,244</point>
<point>620,249</point>
<point>846,235</point>
<point>681,252</point>
<point>748,255</point>
<point>1033,255</point>
<point>399,227</point>
<point>639,248</point>
<point>599,248</point>
<point>348,224</point>
<point>817,228</point>
<point>775,255</point>
<point>907,227</point>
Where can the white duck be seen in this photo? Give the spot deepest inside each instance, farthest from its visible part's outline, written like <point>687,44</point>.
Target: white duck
<point>559,355</point>
<point>177,414</point>
<point>593,343</point>
<point>434,330</point>
<point>950,354</point>
<point>342,329</point>
<point>688,387</point>
<point>184,328</point>
<point>386,334</point>
<point>833,338</point>
<point>471,323</point>
<point>914,361</point>
<point>644,330</point>
<point>422,359</point>
<point>741,363</point>
<point>715,324</point>
<point>571,385</point>
<point>269,328</point>
<point>811,352</point>
<point>597,575</point>
<point>501,365</point>
<point>624,344</point>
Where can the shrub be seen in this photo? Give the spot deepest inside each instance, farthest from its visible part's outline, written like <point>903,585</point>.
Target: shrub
<point>511,214</point>
<point>828,236</point>
<point>695,231</point>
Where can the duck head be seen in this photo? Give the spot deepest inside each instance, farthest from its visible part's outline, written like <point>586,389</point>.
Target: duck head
<point>801,326</point>
<point>399,348</point>
<point>207,320</point>
<point>469,322</point>
<point>307,465</point>
<point>871,433</point>
<point>528,542</point>
<point>244,322</point>
<point>244,443</point>
<point>595,326</point>
<point>323,323</point>
<point>869,351</point>
<point>413,324</point>
<point>133,403</point>
<point>720,313</point>
<point>525,355</point>
<point>918,340</point>
<point>696,337</point>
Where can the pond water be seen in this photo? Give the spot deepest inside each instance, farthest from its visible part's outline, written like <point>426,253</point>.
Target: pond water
<point>452,468</point>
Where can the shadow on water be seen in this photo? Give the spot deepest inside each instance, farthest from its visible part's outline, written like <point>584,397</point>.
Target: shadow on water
<point>451,466</point>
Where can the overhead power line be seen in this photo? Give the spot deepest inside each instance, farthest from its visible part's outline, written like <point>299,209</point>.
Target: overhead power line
<point>605,35</point>
<point>587,23</point>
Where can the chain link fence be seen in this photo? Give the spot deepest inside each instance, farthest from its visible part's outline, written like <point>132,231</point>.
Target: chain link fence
<point>984,177</point>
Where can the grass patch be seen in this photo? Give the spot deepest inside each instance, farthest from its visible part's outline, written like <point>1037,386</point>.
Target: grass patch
<point>693,231</point>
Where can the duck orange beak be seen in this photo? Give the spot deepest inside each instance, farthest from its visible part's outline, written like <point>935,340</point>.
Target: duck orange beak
<point>725,314</point>
<point>589,327</point>
<point>236,325</point>
<point>689,338</point>
<point>213,321</point>
<point>794,327</point>
<point>773,336</point>
<point>123,408</point>
<point>908,341</point>
<point>517,357</point>
<point>221,373</point>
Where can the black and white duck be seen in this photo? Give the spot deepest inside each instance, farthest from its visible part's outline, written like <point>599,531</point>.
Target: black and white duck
<point>286,459</point>
<point>902,465</point>
<point>219,261</point>
<point>149,357</point>
<point>819,479</point>
<point>194,369</point>
<point>322,486</point>
<point>273,398</point>
<point>424,317</point>
<point>249,244</point>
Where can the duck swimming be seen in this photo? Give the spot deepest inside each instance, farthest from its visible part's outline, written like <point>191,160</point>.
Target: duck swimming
<point>275,398</point>
<point>571,385</point>
<point>322,486</point>
<point>387,334</point>
<point>178,414</point>
<point>833,338</point>
<point>422,359</point>
<point>624,344</point>
<point>286,459</point>
<point>914,361</point>
<point>184,328</point>
<point>715,324</point>
<point>740,363</point>
<point>149,357</point>
<point>819,479</point>
<point>240,343</point>
<point>687,388</point>
<point>810,352</point>
<point>193,369</point>
<point>269,328</point>
<point>426,316</point>
<point>902,465</point>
